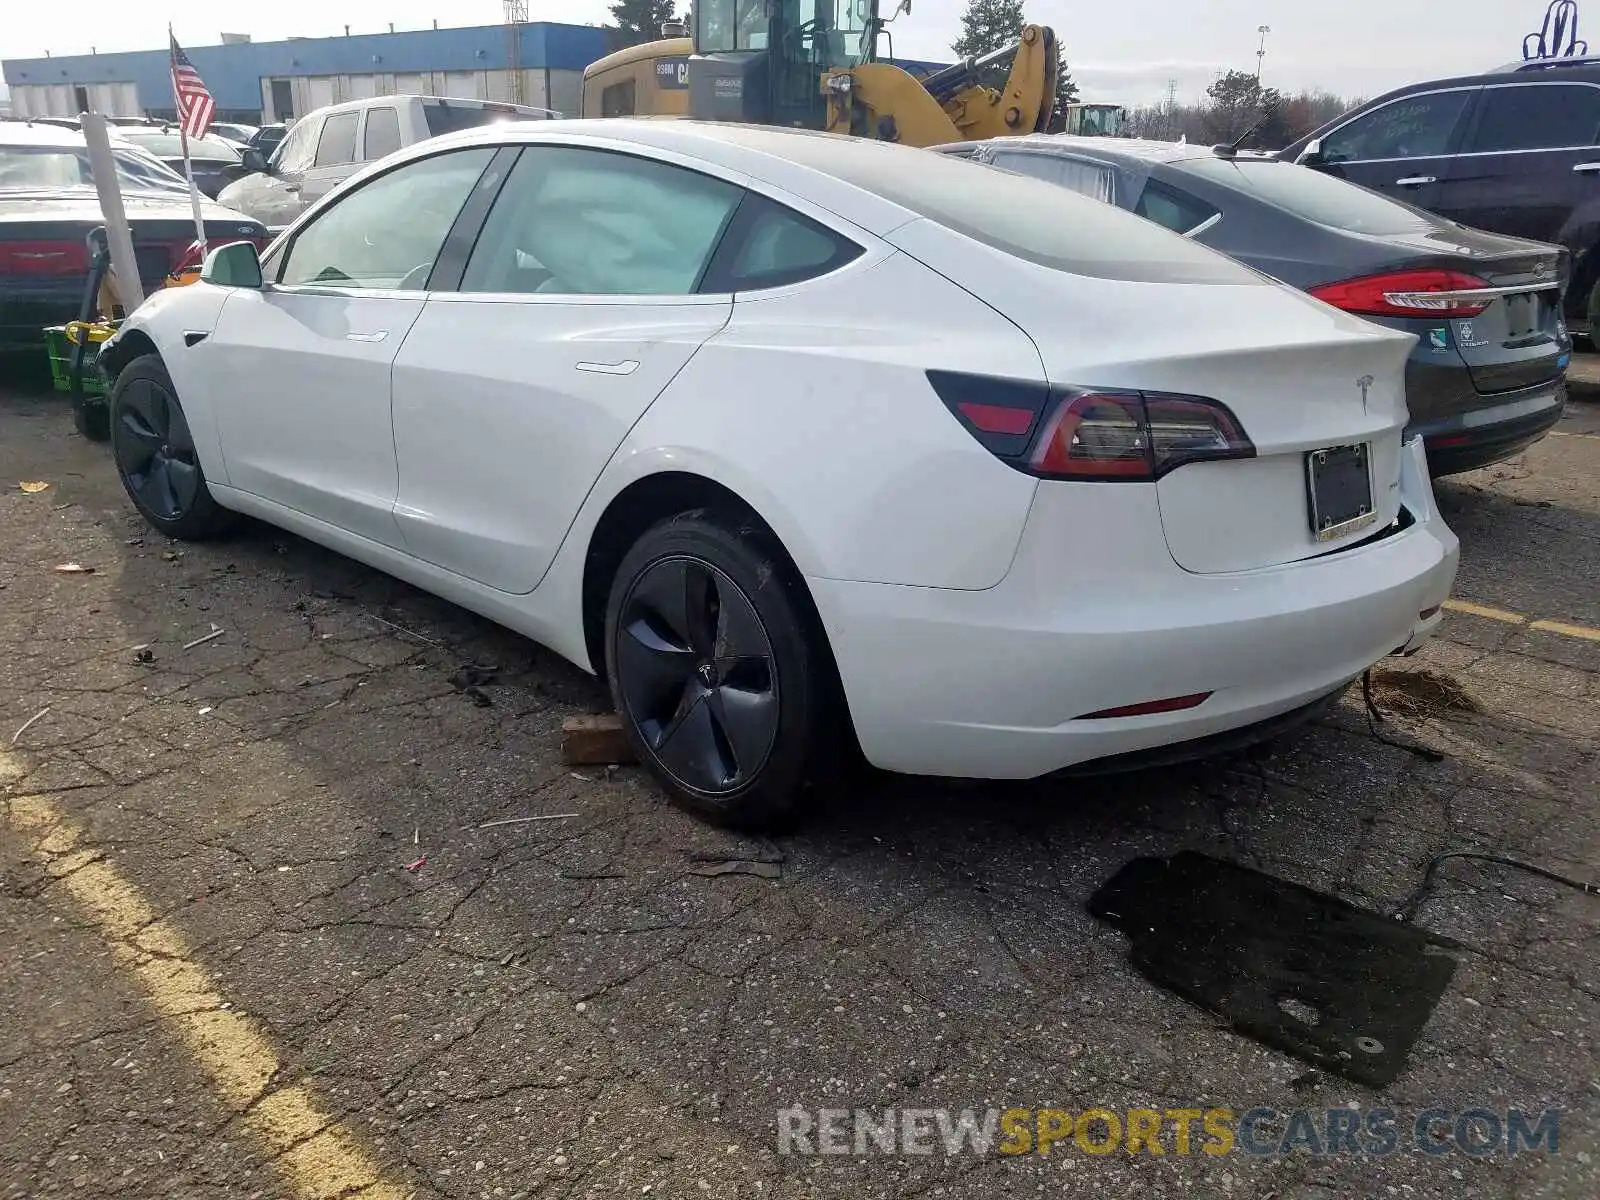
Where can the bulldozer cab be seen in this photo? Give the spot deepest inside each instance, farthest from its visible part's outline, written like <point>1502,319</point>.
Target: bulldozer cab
<point>761,61</point>
<point>1095,120</point>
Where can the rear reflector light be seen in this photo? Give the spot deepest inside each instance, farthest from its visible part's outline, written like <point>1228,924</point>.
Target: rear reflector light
<point>1171,704</point>
<point>1410,294</point>
<point>1090,435</point>
<point>67,257</point>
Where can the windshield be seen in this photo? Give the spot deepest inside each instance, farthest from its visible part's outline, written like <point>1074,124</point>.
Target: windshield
<point>170,145</point>
<point>28,168</point>
<point>1309,194</point>
<point>828,33</point>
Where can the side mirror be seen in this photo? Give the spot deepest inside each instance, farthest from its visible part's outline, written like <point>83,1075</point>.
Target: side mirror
<point>235,265</point>
<point>1311,156</point>
<point>254,160</point>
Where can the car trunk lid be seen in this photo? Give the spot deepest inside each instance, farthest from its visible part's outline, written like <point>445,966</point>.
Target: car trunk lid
<point>1299,377</point>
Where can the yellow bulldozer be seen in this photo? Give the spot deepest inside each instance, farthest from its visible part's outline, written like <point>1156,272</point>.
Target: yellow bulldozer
<point>813,64</point>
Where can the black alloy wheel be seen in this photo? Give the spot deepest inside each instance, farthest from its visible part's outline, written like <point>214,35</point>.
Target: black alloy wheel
<point>155,454</point>
<point>698,675</point>
<point>721,672</point>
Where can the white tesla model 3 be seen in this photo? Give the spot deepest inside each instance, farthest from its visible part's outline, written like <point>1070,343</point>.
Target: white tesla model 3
<point>798,438</point>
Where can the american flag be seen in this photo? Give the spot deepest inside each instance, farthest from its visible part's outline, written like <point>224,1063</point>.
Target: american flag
<point>195,105</point>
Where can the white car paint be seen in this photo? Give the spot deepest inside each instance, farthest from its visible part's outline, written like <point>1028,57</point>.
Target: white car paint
<point>977,613</point>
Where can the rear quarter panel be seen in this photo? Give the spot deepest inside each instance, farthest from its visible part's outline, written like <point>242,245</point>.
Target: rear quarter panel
<point>813,406</point>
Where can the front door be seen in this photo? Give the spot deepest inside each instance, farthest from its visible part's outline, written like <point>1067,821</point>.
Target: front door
<point>305,421</point>
<point>1531,158</point>
<point>577,307</point>
<point>1402,148</point>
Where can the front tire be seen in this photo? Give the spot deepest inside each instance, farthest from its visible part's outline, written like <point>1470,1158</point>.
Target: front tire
<point>155,455</point>
<point>719,671</point>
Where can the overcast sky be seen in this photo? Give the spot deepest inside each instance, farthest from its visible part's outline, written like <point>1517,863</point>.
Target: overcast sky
<point>1123,50</point>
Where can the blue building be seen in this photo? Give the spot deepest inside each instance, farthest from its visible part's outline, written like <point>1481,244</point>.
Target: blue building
<point>539,63</point>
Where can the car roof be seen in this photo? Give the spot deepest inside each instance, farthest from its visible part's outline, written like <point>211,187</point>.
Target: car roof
<point>819,167</point>
<point>27,133</point>
<point>1128,150</point>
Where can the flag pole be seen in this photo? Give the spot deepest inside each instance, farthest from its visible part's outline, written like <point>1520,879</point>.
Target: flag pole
<point>183,145</point>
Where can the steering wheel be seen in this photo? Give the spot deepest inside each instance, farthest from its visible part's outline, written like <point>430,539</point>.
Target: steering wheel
<point>416,278</point>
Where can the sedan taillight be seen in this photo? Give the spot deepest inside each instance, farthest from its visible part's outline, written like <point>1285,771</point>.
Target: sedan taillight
<point>52,258</point>
<point>1091,435</point>
<point>1409,294</point>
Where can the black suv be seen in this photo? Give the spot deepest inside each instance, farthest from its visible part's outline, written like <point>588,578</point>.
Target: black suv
<point>1515,151</point>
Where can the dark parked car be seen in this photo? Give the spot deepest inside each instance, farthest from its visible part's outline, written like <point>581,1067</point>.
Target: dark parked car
<point>48,205</point>
<point>266,138</point>
<point>1487,377</point>
<point>215,161</point>
<point>1514,151</point>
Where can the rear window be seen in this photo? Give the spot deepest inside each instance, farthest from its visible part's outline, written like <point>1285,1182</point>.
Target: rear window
<point>25,168</point>
<point>1040,222</point>
<point>445,117</point>
<point>1309,194</point>
<point>170,145</point>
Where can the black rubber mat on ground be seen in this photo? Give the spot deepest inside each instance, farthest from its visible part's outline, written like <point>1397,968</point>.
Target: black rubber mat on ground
<point>1335,985</point>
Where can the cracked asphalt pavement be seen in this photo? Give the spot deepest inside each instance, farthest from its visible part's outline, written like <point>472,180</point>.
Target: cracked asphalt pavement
<point>256,942</point>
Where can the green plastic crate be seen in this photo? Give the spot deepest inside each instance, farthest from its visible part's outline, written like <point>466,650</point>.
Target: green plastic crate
<point>60,348</point>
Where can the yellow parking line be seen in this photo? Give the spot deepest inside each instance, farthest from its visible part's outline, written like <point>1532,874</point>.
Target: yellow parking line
<point>1479,610</point>
<point>1573,433</point>
<point>1543,624</point>
<point>1577,631</point>
<point>317,1156</point>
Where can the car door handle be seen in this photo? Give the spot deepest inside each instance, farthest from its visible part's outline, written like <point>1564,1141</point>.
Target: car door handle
<point>626,366</point>
<point>367,337</point>
<point>291,187</point>
<point>1415,181</point>
<point>1587,168</point>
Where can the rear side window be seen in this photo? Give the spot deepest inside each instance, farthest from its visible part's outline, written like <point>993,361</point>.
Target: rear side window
<point>1309,194</point>
<point>1027,218</point>
<point>770,245</point>
<point>1540,116</point>
<point>337,145</point>
<point>1095,180</point>
<point>1173,209</point>
<point>1411,127</point>
<point>575,221</point>
<point>382,134</point>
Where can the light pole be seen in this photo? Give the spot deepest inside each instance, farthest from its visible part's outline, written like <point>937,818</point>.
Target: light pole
<point>1261,51</point>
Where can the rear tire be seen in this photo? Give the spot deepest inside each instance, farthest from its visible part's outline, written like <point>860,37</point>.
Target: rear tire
<point>155,455</point>
<point>719,671</point>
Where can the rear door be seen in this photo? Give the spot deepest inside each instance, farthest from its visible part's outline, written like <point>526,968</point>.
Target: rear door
<point>577,307</point>
<point>1402,148</point>
<point>1531,156</point>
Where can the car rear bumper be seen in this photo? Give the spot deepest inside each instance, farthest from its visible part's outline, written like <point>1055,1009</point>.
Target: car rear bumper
<point>1094,615</point>
<point>1469,440</point>
<point>26,309</point>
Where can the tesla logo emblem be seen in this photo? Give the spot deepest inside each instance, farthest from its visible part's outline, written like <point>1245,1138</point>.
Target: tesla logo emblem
<point>1365,383</point>
<point>1540,268</point>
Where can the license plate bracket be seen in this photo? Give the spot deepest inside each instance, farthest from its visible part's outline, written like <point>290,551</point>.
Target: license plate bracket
<point>1339,491</point>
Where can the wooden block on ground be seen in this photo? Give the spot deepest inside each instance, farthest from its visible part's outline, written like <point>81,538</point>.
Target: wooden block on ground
<point>594,740</point>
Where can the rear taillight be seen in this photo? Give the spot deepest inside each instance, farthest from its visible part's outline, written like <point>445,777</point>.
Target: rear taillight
<point>68,257</point>
<point>1090,435</point>
<point>1409,294</point>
